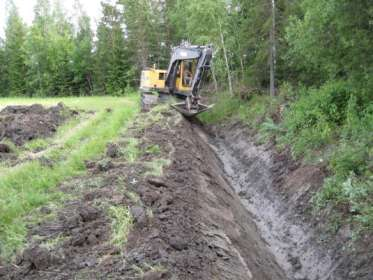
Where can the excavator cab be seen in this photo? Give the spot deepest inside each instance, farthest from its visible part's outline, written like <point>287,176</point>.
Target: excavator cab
<point>183,78</point>
<point>185,73</point>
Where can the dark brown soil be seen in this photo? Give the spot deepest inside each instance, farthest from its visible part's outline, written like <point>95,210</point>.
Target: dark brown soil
<point>20,124</point>
<point>224,208</point>
<point>188,223</point>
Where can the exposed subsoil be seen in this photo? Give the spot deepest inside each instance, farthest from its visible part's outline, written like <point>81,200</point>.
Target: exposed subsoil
<point>188,223</point>
<point>20,124</point>
<point>278,191</point>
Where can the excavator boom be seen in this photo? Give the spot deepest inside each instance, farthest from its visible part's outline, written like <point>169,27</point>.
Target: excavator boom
<point>203,56</point>
<point>188,65</point>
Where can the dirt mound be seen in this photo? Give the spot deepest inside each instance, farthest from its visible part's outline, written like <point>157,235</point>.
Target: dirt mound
<point>187,223</point>
<point>20,124</point>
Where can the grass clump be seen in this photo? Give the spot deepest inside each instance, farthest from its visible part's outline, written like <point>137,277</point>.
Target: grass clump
<point>36,145</point>
<point>156,167</point>
<point>122,222</point>
<point>153,149</point>
<point>131,150</point>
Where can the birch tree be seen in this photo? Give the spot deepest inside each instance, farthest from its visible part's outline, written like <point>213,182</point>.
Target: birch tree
<point>273,49</point>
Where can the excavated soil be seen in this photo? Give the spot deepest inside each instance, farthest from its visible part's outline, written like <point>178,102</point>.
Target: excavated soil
<point>278,191</point>
<point>20,124</point>
<point>224,208</point>
<point>188,223</point>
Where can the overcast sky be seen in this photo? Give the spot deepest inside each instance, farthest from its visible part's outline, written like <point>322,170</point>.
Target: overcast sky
<point>26,10</point>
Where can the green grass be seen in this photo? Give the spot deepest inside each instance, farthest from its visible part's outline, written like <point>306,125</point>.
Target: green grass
<point>30,185</point>
<point>250,112</point>
<point>121,224</point>
<point>131,151</point>
<point>63,131</point>
<point>37,145</point>
<point>153,149</point>
<point>91,103</point>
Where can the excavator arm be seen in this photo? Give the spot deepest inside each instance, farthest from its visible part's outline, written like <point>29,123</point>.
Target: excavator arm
<point>183,79</point>
<point>203,56</point>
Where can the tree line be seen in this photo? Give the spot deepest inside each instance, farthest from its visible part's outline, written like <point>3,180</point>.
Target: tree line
<point>257,43</point>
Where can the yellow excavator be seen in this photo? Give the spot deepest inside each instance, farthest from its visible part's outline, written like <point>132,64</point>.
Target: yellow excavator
<point>183,79</point>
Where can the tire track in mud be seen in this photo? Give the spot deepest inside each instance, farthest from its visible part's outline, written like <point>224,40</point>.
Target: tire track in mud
<point>188,223</point>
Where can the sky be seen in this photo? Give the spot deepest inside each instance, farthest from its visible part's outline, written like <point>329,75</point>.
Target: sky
<point>26,10</point>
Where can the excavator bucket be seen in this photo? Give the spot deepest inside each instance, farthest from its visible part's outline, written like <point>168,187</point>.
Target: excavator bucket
<point>182,109</point>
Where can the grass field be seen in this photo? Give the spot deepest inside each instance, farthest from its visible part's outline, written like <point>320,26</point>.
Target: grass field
<point>30,185</point>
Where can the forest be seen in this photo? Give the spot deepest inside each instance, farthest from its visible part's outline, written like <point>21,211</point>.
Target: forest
<point>311,61</point>
<point>311,44</point>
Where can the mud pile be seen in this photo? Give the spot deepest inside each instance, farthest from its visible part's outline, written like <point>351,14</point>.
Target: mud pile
<point>187,223</point>
<point>20,124</point>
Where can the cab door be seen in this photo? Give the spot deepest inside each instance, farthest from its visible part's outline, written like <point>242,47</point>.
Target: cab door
<point>185,75</point>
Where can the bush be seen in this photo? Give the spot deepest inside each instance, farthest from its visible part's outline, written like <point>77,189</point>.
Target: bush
<point>312,121</point>
<point>225,107</point>
<point>252,112</point>
<point>351,165</point>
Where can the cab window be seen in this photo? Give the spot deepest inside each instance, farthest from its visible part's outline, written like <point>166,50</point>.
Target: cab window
<point>162,76</point>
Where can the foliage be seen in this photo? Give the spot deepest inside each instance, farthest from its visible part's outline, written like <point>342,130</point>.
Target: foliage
<point>111,66</point>
<point>131,151</point>
<point>225,107</point>
<point>332,40</point>
<point>14,54</point>
<point>312,120</point>
<point>82,55</point>
<point>252,112</point>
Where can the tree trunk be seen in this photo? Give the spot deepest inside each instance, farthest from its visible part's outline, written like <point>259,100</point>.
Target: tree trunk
<point>214,78</point>
<point>226,60</point>
<point>241,55</point>
<point>272,87</point>
<point>242,69</point>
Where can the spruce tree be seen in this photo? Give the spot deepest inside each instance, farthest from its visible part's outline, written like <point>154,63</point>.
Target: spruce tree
<point>14,54</point>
